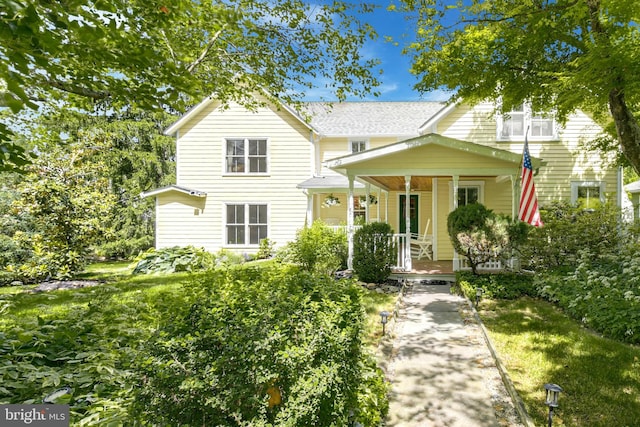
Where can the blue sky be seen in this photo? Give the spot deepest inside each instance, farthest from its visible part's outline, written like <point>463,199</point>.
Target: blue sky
<point>397,81</point>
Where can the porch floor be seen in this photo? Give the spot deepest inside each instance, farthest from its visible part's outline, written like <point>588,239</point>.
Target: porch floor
<point>428,270</point>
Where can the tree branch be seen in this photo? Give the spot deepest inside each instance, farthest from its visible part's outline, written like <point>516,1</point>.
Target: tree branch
<point>82,91</point>
<point>206,50</point>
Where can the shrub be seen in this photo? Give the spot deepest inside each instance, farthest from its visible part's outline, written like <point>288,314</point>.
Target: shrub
<point>507,285</point>
<point>266,249</point>
<point>317,249</point>
<point>568,230</point>
<point>275,346</point>
<point>173,260</point>
<point>124,248</point>
<point>602,292</point>
<point>373,252</point>
<point>481,235</point>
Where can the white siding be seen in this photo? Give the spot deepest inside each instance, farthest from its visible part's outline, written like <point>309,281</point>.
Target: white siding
<point>201,154</point>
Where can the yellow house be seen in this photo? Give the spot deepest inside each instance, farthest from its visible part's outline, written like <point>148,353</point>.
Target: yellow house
<point>243,176</point>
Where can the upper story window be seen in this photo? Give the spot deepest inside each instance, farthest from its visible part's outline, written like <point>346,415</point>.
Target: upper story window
<point>358,145</point>
<point>245,155</point>
<point>513,125</point>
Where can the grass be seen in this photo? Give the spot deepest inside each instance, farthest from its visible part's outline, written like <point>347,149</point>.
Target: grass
<point>374,303</point>
<point>124,286</point>
<point>539,344</point>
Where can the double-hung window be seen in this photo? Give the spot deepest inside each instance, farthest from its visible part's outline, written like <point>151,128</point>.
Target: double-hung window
<point>512,126</point>
<point>246,224</point>
<point>358,145</point>
<point>587,194</point>
<point>468,195</point>
<point>468,192</point>
<point>246,155</point>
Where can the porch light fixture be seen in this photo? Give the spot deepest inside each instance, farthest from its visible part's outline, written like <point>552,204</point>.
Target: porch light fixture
<point>551,400</point>
<point>384,318</point>
<point>479,292</point>
<point>330,200</point>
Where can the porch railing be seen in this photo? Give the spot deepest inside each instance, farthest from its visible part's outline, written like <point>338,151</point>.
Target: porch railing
<point>495,264</point>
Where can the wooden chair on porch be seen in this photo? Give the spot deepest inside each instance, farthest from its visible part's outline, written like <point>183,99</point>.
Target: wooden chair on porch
<point>423,242</point>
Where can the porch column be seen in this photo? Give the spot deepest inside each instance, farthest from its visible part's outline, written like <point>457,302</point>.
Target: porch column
<point>378,205</point>
<point>455,179</point>
<point>386,206</point>
<point>366,207</point>
<point>350,222</point>
<point>407,221</point>
<point>309,219</point>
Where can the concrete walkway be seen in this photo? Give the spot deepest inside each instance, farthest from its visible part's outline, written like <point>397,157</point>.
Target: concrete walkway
<point>438,372</point>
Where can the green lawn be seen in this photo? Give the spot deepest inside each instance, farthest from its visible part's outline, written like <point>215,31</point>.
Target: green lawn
<point>87,337</point>
<point>539,344</point>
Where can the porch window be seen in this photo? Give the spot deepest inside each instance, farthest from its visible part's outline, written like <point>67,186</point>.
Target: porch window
<point>246,224</point>
<point>358,145</point>
<point>468,192</point>
<point>359,209</point>
<point>587,194</point>
<point>245,155</point>
<point>513,125</point>
<point>468,195</point>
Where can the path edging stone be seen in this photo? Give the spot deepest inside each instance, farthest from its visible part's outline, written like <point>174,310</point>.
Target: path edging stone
<point>518,403</point>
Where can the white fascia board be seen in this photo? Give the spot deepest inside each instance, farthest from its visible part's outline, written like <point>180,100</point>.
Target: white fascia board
<point>433,120</point>
<point>188,115</point>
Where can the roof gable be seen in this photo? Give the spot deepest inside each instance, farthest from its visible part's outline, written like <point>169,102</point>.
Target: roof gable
<point>436,139</point>
<point>186,117</point>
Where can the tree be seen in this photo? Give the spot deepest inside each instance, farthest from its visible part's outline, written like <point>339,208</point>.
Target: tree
<point>160,54</point>
<point>134,157</point>
<point>65,194</point>
<point>558,55</point>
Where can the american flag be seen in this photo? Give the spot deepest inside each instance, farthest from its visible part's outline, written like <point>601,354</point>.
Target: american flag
<point>529,212</point>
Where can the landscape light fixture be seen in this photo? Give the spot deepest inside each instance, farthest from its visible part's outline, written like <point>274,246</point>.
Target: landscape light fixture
<point>553,392</point>
<point>384,318</point>
<point>479,292</point>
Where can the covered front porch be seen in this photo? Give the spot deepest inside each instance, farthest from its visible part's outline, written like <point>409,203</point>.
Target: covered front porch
<point>413,185</point>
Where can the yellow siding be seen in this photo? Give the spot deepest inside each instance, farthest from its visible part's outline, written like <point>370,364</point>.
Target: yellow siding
<point>443,243</point>
<point>433,156</point>
<point>565,160</point>
<point>201,153</point>
<point>330,148</point>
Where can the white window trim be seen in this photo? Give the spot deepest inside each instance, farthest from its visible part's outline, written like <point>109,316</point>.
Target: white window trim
<point>464,184</point>
<point>577,184</point>
<point>244,174</point>
<point>528,116</point>
<point>352,140</point>
<point>246,224</point>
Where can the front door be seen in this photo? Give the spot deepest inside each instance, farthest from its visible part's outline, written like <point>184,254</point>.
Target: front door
<point>413,213</point>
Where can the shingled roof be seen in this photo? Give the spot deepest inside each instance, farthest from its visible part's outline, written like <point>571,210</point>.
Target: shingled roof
<point>370,118</point>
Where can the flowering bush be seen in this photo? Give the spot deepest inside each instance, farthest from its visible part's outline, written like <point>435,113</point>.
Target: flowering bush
<point>603,292</point>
